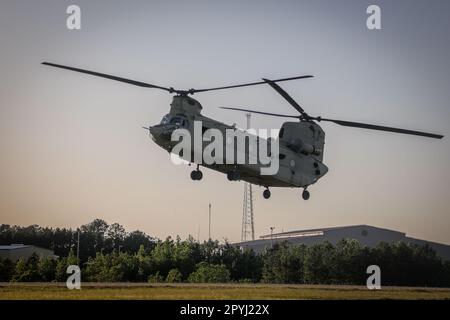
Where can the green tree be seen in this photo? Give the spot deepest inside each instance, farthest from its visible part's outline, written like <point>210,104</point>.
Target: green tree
<point>351,262</point>
<point>7,268</point>
<point>242,264</point>
<point>116,235</point>
<point>163,256</point>
<point>104,268</point>
<point>155,278</point>
<point>135,239</point>
<point>211,251</point>
<point>174,275</point>
<point>209,273</point>
<point>284,264</point>
<point>20,270</point>
<point>185,256</point>
<point>129,266</point>
<point>319,263</point>
<point>47,269</point>
<point>145,264</point>
<point>61,268</point>
<point>92,239</point>
<point>62,264</point>
<point>27,271</point>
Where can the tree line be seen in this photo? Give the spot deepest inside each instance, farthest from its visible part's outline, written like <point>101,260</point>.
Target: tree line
<point>96,236</point>
<point>112,255</point>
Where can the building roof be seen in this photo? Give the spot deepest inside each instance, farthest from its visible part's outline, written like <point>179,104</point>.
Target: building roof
<point>14,247</point>
<point>318,232</point>
<point>20,246</point>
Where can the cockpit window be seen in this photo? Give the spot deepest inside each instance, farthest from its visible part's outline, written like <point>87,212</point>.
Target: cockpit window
<point>176,120</point>
<point>165,119</point>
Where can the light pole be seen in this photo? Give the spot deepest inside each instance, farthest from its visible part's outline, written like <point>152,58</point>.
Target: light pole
<point>209,223</point>
<point>78,247</point>
<point>271,236</point>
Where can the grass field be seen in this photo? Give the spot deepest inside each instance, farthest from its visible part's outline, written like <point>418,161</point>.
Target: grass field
<point>91,291</point>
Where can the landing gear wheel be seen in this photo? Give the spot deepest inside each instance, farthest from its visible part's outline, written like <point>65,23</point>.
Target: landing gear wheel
<point>305,194</point>
<point>266,194</point>
<point>233,175</point>
<point>196,175</point>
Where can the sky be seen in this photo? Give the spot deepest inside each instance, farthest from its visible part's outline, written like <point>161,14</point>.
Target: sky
<point>72,147</point>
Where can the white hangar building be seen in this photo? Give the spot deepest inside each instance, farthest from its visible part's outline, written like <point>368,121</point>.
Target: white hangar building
<point>366,235</point>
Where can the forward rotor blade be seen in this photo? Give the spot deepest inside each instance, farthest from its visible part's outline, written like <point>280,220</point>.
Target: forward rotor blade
<point>107,76</point>
<point>260,112</point>
<point>286,96</point>
<point>380,128</point>
<point>249,84</point>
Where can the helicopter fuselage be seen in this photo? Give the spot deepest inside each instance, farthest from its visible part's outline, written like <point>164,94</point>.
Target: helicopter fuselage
<point>299,155</point>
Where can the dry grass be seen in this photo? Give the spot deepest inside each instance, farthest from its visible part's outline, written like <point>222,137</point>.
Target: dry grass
<point>121,291</point>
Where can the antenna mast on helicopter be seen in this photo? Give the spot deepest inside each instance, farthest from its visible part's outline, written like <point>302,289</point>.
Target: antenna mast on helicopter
<point>248,228</point>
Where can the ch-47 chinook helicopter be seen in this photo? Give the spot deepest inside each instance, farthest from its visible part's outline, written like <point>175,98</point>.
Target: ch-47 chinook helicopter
<point>301,143</point>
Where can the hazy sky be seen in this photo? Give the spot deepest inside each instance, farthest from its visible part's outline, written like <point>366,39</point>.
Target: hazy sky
<point>72,147</point>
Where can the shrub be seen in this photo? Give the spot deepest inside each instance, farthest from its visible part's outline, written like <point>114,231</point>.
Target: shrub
<point>209,273</point>
<point>155,278</point>
<point>174,276</point>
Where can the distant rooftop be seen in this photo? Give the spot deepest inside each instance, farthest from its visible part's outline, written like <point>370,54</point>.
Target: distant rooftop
<point>317,232</point>
<point>14,246</point>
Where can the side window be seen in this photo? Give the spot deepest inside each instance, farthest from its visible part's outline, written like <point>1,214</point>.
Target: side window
<point>281,156</point>
<point>280,134</point>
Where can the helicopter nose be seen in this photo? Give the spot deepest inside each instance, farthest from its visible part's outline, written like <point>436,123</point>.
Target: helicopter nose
<point>155,132</point>
<point>159,132</point>
<point>152,130</point>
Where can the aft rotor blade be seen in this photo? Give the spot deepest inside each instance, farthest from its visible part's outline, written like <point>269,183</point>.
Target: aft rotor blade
<point>107,76</point>
<point>286,96</point>
<point>380,128</point>
<point>249,84</point>
<point>260,112</point>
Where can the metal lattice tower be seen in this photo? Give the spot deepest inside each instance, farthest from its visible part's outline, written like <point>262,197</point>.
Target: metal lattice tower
<point>248,227</point>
